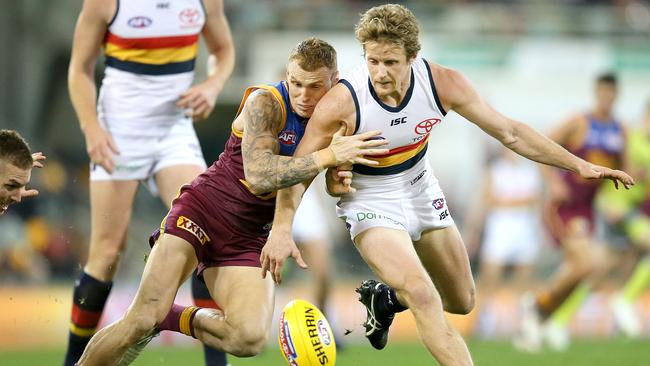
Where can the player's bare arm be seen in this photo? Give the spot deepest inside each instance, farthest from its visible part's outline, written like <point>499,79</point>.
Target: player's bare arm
<point>201,99</point>
<point>267,171</point>
<point>264,169</point>
<point>458,94</point>
<point>89,33</point>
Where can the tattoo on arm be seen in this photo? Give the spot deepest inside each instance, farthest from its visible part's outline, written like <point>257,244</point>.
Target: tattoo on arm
<point>265,170</point>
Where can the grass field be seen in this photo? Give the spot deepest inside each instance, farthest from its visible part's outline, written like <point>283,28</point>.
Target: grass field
<point>592,353</point>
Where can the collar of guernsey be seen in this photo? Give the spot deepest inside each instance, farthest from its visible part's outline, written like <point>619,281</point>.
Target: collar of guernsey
<point>291,130</point>
<point>154,37</point>
<point>407,126</point>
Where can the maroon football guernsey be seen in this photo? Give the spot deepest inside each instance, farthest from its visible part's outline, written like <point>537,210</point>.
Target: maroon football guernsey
<point>216,213</point>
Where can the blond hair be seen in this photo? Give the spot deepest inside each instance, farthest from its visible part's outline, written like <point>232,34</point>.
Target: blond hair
<point>391,23</point>
<point>314,53</point>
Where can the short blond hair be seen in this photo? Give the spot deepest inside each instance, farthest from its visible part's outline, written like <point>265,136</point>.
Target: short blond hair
<point>314,53</point>
<point>391,23</point>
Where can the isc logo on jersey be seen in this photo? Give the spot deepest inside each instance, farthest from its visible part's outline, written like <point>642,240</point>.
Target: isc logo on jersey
<point>305,336</point>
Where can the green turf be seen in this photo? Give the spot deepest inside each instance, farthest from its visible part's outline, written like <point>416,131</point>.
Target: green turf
<point>592,353</point>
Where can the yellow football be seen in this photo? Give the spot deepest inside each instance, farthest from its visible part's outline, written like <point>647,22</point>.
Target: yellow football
<point>305,336</point>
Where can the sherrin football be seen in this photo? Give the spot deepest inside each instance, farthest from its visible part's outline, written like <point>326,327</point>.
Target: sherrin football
<point>305,336</point>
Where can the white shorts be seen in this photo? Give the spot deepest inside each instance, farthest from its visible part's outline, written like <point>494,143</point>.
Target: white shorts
<point>511,237</point>
<point>411,201</point>
<point>142,155</point>
<point>310,222</point>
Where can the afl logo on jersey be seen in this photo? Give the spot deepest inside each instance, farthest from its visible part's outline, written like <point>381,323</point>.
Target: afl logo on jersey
<point>426,126</point>
<point>139,22</point>
<point>287,138</point>
<point>189,17</point>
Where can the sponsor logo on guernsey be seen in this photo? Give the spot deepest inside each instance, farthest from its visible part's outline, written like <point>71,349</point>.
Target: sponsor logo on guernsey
<point>439,203</point>
<point>443,215</point>
<point>163,5</point>
<point>374,216</point>
<point>286,342</point>
<point>288,138</point>
<point>426,126</point>
<point>139,22</point>
<point>418,177</point>
<point>189,226</point>
<point>398,121</point>
<point>189,17</point>
<point>313,330</point>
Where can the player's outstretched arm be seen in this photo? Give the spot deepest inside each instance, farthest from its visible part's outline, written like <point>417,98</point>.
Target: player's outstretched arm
<point>460,96</point>
<point>267,171</point>
<point>280,245</point>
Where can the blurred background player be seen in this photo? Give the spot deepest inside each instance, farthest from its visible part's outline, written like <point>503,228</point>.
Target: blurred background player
<point>311,233</point>
<point>315,239</point>
<point>507,213</point>
<point>140,128</point>
<point>16,163</point>
<point>626,219</point>
<point>599,137</point>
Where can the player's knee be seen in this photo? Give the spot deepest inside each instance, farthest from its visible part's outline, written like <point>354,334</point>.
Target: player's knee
<point>463,303</point>
<point>249,341</point>
<point>139,326</point>
<point>104,261</point>
<point>419,293</point>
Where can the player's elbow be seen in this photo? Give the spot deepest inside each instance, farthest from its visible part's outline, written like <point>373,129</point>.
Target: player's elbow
<point>256,183</point>
<point>510,134</point>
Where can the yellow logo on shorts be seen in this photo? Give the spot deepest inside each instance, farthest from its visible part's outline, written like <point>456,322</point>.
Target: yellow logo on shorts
<point>189,225</point>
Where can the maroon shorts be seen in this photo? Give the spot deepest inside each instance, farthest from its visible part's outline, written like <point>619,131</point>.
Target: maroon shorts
<point>562,219</point>
<point>211,227</point>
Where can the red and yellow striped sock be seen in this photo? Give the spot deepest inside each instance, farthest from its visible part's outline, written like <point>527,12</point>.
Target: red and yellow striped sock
<point>179,319</point>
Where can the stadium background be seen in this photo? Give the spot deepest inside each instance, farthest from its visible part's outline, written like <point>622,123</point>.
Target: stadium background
<point>534,60</point>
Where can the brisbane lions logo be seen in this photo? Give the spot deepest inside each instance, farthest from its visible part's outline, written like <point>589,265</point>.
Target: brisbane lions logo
<point>426,126</point>
<point>288,138</point>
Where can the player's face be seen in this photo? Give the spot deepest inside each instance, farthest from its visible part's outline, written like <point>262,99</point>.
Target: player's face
<point>605,96</point>
<point>390,70</point>
<point>307,87</point>
<point>13,180</point>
